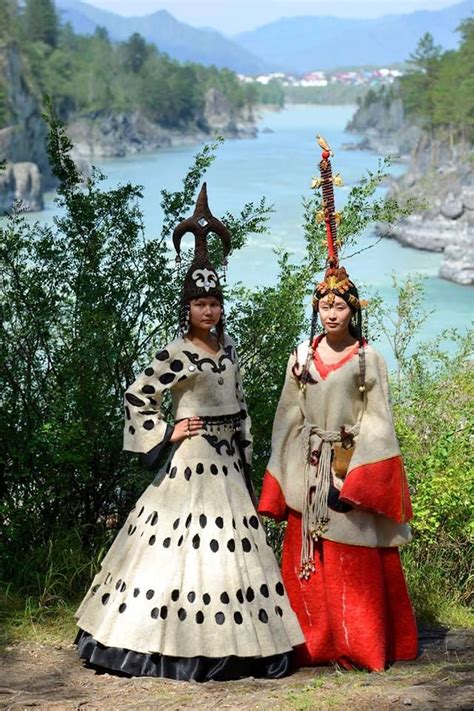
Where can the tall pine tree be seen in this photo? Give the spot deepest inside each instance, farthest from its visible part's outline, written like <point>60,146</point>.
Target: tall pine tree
<point>41,21</point>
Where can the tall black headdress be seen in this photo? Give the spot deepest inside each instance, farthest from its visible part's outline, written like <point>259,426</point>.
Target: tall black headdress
<point>336,280</point>
<point>201,278</point>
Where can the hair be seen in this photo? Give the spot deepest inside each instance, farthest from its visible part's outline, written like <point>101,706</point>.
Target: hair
<point>355,329</point>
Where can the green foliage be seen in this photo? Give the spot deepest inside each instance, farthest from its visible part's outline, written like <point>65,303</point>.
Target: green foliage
<point>439,88</point>
<point>40,22</point>
<point>83,302</point>
<point>85,75</point>
<point>433,394</point>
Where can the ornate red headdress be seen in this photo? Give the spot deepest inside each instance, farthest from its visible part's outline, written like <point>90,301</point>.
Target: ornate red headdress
<point>336,280</point>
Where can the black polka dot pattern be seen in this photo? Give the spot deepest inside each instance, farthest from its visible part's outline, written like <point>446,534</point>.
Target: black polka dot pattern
<point>134,400</point>
<point>253,521</point>
<point>220,522</point>
<point>173,472</point>
<point>224,598</point>
<point>152,540</point>
<point>148,390</point>
<point>166,378</point>
<point>199,617</point>
<point>149,372</point>
<point>238,619</point>
<point>262,616</point>
<point>240,596</point>
<point>155,613</point>
<point>122,607</point>
<point>250,594</point>
<point>175,595</point>
<point>214,470</point>
<point>149,594</point>
<point>279,588</point>
<point>162,355</point>
<point>231,545</point>
<point>182,614</point>
<point>220,618</point>
<point>105,598</point>
<point>214,545</point>
<point>206,598</point>
<point>278,610</point>
<point>176,524</point>
<point>187,473</point>
<point>196,541</point>
<point>199,468</point>
<point>264,590</point>
<point>246,545</point>
<point>166,543</point>
<point>164,612</point>
<point>136,592</point>
<point>176,366</point>
<point>191,596</point>
<point>202,520</point>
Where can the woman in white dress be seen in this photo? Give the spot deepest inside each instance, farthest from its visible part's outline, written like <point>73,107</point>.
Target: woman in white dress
<point>190,588</point>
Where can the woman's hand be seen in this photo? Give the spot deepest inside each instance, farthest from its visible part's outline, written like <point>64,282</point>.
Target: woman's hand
<point>187,428</point>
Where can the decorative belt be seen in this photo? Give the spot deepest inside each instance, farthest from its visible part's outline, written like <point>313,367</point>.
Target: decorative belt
<point>232,421</point>
<point>317,481</point>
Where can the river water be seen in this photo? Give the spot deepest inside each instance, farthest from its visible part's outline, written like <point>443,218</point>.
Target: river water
<point>279,164</point>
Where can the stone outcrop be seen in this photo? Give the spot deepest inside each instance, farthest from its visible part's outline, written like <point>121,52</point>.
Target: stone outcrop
<point>384,128</point>
<point>21,182</point>
<point>23,144</point>
<point>129,133</point>
<point>440,175</point>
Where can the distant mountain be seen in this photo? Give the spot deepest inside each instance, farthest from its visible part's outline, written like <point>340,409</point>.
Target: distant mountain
<point>302,44</point>
<point>180,41</point>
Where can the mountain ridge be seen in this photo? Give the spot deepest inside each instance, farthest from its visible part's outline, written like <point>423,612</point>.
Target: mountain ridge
<point>313,41</point>
<point>182,42</point>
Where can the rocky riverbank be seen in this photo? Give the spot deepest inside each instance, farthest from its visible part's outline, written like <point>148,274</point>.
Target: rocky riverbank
<point>27,174</point>
<point>440,175</point>
<point>129,133</point>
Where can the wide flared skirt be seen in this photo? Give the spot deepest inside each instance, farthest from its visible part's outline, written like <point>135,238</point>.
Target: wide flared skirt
<point>190,575</point>
<point>354,610</point>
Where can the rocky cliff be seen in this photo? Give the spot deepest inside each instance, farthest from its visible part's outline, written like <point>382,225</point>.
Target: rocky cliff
<point>22,143</point>
<point>128,133</point>
<point>440,174</point>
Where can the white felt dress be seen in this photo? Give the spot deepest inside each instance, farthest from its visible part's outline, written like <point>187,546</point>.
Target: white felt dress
<point>191,573</point>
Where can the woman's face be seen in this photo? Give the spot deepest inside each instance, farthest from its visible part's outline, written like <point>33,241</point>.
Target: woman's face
<point>335,316</point>
<point>205,312</point>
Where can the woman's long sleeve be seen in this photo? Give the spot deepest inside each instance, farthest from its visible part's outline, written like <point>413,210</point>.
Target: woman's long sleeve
<point>286,445</point>
<point>145,427</point>
<point>378,483</point>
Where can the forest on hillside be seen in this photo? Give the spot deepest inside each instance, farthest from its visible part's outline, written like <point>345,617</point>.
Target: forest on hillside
<point>438,89</point>
<point>91,75</point>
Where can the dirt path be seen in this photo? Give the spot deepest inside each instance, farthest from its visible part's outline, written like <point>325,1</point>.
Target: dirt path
<point>50,677</point>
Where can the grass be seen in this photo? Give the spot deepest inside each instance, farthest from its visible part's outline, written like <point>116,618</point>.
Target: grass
<point>25,620</point>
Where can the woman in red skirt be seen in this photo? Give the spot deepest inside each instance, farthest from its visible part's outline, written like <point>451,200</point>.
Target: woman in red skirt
<point>336,475</point>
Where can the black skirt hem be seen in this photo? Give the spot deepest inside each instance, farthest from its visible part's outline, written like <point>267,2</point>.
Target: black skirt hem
<point>126,662</point>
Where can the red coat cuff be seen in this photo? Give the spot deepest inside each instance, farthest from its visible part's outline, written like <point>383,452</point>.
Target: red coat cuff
<point>381,487</point>
<point>272,502</point>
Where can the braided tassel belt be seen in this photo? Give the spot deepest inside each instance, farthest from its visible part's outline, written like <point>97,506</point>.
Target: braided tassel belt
<point>317,481</point>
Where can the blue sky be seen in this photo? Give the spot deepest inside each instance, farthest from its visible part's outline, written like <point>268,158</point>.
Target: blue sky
<point>232,16</point>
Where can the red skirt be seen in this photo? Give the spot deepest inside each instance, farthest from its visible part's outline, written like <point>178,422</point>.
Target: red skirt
<point>355,609</point>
